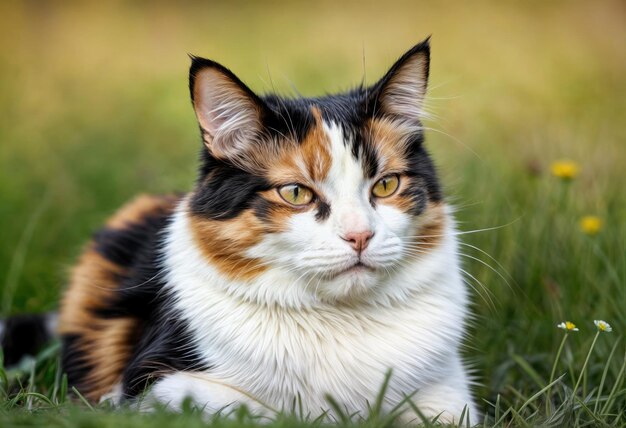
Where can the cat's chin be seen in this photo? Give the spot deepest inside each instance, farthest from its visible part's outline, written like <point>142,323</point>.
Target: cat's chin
<point>353,283</point>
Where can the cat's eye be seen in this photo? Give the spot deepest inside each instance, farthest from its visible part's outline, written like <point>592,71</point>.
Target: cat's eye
<point>386,186</point>
<point>296,194</point>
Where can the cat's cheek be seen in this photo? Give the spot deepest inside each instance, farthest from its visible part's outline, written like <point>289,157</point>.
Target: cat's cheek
<point>301,242</point>
<point>304,231</point>
<point>394,220</point>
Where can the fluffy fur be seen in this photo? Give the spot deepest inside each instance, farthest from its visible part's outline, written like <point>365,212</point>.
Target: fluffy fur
<point>232,295</point>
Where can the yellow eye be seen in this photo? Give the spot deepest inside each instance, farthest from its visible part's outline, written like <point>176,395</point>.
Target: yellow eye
<point>386,186</point>
<point>296,194</point>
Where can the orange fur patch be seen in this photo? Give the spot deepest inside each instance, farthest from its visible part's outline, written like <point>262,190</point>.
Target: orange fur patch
<point>93,282</point>
<point>105,344</point>
<point>224,243</point>
<point>315,149</point>
<point>389,138</point>
<point>140,207</point>
<point>110,344</point>
<point>304,163</point>
<point>431,227</point>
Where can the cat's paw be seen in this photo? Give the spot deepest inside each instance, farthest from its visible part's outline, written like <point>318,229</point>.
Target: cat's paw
<point>204,392</point>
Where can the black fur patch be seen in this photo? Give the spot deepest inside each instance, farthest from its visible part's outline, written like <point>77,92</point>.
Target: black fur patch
<point>262,208</point>
<point>165,345</point>
<point>121,246</point>
<point>161,343</point>
<point>224,191</point>
<point>289,117</point>
<point>73,360</point>
<point>323,211</point>
<point>423,169</point>
<point>369,160</point>
<point>24,335</point>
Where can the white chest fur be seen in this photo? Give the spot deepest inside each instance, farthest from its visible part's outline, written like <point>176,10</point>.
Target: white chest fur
<point>276,352</point>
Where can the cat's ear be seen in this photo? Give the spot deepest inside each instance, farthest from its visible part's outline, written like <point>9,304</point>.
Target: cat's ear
<point>402,89</point>
<point>230,115</point>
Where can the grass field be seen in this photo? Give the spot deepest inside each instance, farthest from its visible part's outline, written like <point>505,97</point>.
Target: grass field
<point>94,109</point>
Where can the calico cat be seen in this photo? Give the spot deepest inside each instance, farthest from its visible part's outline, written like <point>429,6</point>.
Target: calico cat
<point>314,253</point>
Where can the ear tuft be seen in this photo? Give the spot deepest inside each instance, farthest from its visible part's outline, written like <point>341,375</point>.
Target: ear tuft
<point>228,112</point>
<point>402,90</point>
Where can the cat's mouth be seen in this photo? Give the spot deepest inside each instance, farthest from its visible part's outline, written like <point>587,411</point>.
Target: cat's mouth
<point>357,267</point>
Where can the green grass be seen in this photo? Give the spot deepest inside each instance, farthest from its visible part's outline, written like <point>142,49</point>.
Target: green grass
<point>94,109</point>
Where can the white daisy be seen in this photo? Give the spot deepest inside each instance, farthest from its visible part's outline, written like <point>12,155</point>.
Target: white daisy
<point>603,326</point>
<point>567,326</point>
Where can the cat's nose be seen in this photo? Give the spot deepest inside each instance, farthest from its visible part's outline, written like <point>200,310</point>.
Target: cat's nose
<point>358,240</point>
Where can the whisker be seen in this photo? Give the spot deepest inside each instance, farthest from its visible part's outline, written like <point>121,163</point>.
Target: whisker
<point>486,265</point>
<point>466,232</point>
<point>490,295</point>
<point>492,258</point>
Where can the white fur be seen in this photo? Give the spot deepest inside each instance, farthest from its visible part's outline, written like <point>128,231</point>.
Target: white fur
<point>301,331</point>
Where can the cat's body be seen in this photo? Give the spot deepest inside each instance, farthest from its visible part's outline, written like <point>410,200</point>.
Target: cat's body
<point>314,254</point>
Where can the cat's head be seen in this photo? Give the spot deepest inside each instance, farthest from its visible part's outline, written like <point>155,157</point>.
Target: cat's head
<point>335,191</point>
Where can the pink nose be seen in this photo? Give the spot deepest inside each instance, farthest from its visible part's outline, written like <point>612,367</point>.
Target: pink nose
<point>358,240</point>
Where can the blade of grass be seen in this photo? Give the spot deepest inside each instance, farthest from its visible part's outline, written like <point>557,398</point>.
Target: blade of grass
<point>539,394</point>
<point>618,381</point>
<point>380,398</point>
<point>604,373</point>
<point>40,397</point>
<point>19,255</point>
<point>63,391</point>
<point>497,409</point>
<point>532,373</point>
<point>590,412</point>
<point>339,412</point>
<point>426,422</point>
<point>83,399</point>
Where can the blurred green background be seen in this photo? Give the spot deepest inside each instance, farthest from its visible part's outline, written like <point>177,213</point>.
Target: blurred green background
<point>94,109</point>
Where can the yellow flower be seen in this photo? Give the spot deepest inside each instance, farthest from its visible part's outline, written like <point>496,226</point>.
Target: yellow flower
<point>564,169</point>
<point>603,326</point>
<point>567,326</point>
<point>590,224</point>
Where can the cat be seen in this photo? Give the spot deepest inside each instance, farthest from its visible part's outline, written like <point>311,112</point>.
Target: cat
<point>315,253</point>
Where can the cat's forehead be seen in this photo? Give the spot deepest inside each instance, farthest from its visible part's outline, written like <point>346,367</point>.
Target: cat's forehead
<point>335,142</point>
<point>297,115</point>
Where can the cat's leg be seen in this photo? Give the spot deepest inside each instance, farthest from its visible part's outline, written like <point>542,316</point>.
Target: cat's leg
<point>446,398</point>
<point>205,392</point>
